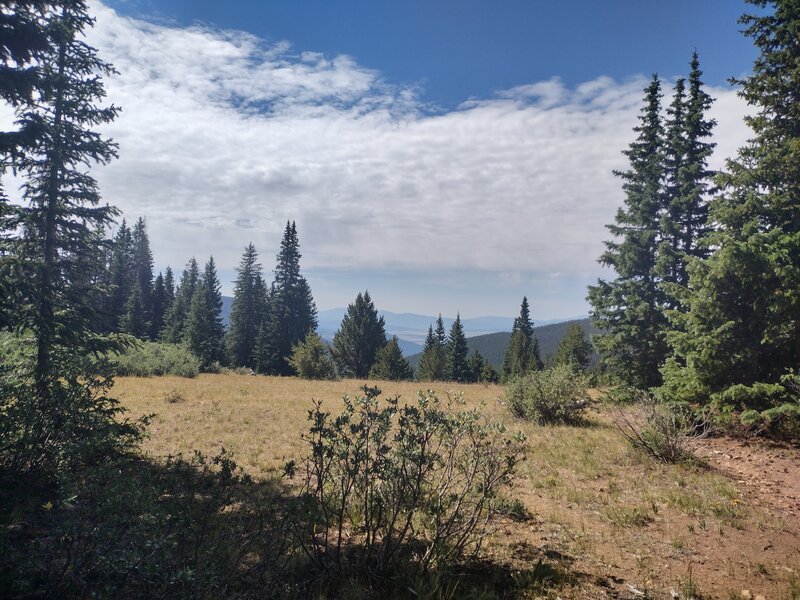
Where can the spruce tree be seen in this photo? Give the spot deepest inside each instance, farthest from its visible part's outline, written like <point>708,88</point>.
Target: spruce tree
<point>739,329</point>
<point>246,312</point>
<point>522,352</point>
<point>143,266</point>
<point>57,417</point>
<point>359,338</point>
<point>456,365</point>
<point>684,220</point>
<point>390,364</point>
<point>575,351</point>
<point>477,365</point>
<point>203,333</point>
<point>628,310</point>
<point>121,277</point>
<point>159,307</point>
<point>176,316</point>
<point>431,362</point>
<point>134,320</point>
<point>292,313</point>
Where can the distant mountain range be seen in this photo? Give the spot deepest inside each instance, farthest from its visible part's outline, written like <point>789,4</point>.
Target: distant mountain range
<point>411,329</point>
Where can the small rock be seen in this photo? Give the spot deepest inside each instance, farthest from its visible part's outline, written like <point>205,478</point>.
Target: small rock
<point>746,595</point>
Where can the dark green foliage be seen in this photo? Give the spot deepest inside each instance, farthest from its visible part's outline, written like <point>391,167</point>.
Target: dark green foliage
<point>120,276</point>
<point>203,333</point>
<point>311,359</point>
<point>161,305</point>
<point>359,338</point>
<point>247,312</point>
<point>684,221</point>
<point>522,353</point>
<point>456,364</point>
<point>142,267</point>
<point>489,374</point>
<point>476,366</point>
<point>739,327</point>
<point>292,312</point>
<point>390,364</point>
<point>176,316</point>
<point>151,359</point>
<point>550,397</point>
<point>629,309</point>
<point>396,489</point>
<point>432,361</point>
<point>575,351</point>
<point>134,320</point>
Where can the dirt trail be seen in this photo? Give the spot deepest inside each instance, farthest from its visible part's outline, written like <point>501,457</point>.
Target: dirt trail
<point>768,473</point>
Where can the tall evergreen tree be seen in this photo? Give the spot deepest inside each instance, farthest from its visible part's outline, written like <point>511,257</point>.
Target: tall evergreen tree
<point>159,306</point>
<point>292,313</point>
<point>628,310</point>
<point>522,352</point>
<point>204,332</point>
<point>134,320</point>
<point>120,275</point>
<point>477,364</point>
<point>176,316</point>
<point>359,338</point>
<point>57,418</point>
<point>432,361</point>
<point>169,289</point>
<point>390,364</point>
<point>246,312</point>
<point>684,220</point>
<point>740,327</point>
<point>143,266</point>
<point>457,365</point>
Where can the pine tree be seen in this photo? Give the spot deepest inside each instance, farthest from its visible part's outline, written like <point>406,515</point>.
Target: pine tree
<point>142,266</point>
<point>120,275</point>
<point>687,181</point>
<point>176,316</point>
<point>311,359</point>
<point>575,351</point>
<point>57,416</point>
<point>739,329</point>
<point>160,307</point>
<point>203,333</point>
<point>522,352</point>
<point>246,313</point>
<point>476,366</point>
<point>431,362</point>
<point>359,338</point>
<point>456,365</point>
<point>390,364</point>
<point>169,289</point>
<point>292,313</point>
<point>265,352</point>
<point>628,310</point>
<point>134,321</point>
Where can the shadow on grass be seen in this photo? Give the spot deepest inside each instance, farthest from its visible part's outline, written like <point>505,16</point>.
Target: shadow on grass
<point>198,528</point>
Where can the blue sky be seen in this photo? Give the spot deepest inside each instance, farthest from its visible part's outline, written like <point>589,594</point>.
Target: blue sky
<point>448,156</point>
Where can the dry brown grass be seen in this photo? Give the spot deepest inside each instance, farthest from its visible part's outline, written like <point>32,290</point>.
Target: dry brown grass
<point>604,516</point>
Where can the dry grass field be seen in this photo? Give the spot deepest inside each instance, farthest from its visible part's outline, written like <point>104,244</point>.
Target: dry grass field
<point>604,521</point>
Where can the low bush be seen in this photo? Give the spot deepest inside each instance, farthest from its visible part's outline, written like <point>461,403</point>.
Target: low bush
<point>662,431</point>
<point>388,489</point>
<point>311,359</point>
<point>554,396</point>
<point>147,359</point>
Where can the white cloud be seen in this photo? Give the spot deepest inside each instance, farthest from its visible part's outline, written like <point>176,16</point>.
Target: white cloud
<point>223,138</point>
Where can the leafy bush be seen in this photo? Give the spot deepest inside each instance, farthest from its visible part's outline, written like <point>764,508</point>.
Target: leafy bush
<point>311,359</point>
<point>664,432</point>
<point>146,359</point>
<point>399,487</point>
<point>554,396</point>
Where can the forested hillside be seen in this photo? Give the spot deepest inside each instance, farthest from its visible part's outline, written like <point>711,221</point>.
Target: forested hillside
<point>493,345</point>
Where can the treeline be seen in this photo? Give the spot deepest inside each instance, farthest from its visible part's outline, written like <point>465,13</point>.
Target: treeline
<point>266,319</point>
<point>705,306</point>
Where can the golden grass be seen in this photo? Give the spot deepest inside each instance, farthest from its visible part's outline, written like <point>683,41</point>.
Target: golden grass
<point>615,512</point>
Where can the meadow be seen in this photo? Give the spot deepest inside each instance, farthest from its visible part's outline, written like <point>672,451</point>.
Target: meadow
<point>588,516</point>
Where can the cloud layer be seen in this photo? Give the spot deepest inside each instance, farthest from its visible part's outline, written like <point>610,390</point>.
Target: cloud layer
<point>224,137</point>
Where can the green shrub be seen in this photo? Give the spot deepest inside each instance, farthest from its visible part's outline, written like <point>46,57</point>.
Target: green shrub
<point>146,359</point>
<point>399,488</point>
<point>311,359</point>
<point>554,396</point>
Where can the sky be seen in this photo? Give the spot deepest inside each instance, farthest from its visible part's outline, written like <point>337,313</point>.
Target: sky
<point>449,156</point>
